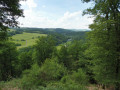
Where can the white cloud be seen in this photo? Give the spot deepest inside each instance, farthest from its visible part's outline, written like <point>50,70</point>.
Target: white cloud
<point>43,6</point>
<point>30,3</point>
<point>74,20</point>
<point>39,19</point>
<point>45,20</point>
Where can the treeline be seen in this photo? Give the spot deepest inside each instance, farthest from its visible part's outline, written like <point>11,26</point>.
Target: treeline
<point>53,31</point>
<point>60,35</point>
<point>11,33</point>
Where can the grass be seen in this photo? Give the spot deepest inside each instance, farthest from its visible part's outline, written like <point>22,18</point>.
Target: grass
<point>10,30</point>
<point>26,39</point>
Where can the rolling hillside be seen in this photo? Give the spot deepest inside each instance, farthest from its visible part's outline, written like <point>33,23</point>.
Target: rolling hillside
<point>26,39</point>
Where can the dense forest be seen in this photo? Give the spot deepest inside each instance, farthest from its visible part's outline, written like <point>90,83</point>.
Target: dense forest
<point>62,59</point>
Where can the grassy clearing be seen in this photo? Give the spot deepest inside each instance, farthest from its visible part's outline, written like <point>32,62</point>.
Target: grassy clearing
<point>26,39</point>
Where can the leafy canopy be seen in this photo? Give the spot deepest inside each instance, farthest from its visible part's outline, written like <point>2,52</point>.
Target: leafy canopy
<point>9,12</point>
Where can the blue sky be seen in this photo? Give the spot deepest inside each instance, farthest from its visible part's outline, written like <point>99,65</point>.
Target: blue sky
<point>55,14</point>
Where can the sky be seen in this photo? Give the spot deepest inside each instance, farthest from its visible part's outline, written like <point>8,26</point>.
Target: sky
<point>55,14</point>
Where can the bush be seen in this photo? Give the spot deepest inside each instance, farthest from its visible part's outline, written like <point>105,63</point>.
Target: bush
<point>13,84</point>
<point>22,40</point>
<point>50,71</point>
<point>78,77</point>
<point>30,78</point>
<point>32,37</point>
<point>18,44</point>
<point>60,86</point>
<point>38,37</point>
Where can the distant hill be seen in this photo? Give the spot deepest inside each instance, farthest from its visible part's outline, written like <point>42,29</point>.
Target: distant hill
<point>60,35</point>
<point>80,29</point>
<point>51,30</point>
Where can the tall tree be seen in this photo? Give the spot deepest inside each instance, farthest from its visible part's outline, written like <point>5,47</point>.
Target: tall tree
<point>44,48</point>
<point>63,56</point>
<point>8,59</point>
<point>9,12</point>
<point>104,40</point>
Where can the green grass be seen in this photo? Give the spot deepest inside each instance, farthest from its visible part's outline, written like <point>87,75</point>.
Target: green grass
<point>10,30</point>
<point>29,39</point>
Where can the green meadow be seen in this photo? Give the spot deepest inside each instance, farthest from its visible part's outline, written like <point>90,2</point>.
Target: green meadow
<point>26,39</point>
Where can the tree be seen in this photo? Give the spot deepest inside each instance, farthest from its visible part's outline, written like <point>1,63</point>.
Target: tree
<point>104,40</point>
<point>9,12</point>
<point>8,59</point>
<point>63,56</point>
<point>25,59</point>
<point>74,50</point>
<point>44,48</point>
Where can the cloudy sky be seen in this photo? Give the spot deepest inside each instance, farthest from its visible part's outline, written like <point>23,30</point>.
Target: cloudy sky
<point>55,14</point>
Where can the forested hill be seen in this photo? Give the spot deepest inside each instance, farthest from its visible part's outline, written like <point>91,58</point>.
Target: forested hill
<point>58,32</point>
<point>24,37</point>
<point>53,30</point>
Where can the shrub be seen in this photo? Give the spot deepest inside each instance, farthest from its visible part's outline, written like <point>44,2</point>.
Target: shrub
<point>78,77</point>
<point>22,40</point>
<point>50,71</point>
<point>13,84</point>
<point>60,86</point>
<point>18,44</point>
<point>30,78</point>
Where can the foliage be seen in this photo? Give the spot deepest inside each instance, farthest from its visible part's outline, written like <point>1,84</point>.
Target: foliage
<point>25,60</point>
<point>104,41</point>
<point>8,59</point>
<point>78,77</point>
<point>63,56</point>
<point>9,12</point>
<point>74,50</point>
<point>17,44</point>
<point>37,76</point>
<point>44,48</point>
<point>13,84</point>
<point>60,86</point>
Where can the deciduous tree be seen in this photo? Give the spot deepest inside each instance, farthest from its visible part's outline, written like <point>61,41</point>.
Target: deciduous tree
<point>104,40</point>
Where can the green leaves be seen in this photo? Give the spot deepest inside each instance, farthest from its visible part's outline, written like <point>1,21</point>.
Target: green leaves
<point>104,40</point>
<point>9,12</point>
<point>44,49</point>
<point>8,58</point>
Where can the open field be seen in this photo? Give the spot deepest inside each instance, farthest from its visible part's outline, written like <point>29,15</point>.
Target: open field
<point>26,39</point>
